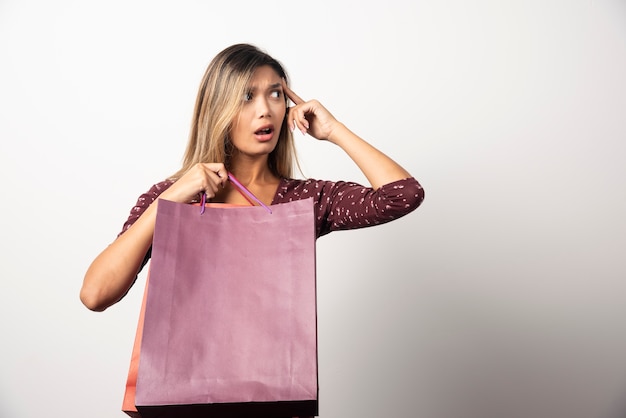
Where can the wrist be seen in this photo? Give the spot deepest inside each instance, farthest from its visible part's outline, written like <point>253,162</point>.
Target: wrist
<point>338,134</point>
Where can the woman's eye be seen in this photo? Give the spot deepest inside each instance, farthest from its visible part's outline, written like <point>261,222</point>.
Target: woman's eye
<point>276,94</point>
<point>247,96</point>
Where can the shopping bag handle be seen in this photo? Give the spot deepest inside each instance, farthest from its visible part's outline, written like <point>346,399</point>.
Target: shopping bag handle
<point>243,190</point>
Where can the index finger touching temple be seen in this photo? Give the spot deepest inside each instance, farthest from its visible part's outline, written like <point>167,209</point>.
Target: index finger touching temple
<point>290,94</point>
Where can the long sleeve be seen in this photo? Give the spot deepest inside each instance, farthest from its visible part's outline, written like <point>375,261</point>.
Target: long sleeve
<point>338,205</point>
<point>345,205</point>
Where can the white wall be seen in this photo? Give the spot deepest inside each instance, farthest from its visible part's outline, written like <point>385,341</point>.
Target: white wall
<point>503,296</point>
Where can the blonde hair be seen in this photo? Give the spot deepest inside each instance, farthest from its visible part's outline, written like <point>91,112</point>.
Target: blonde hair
<point>219,101</point>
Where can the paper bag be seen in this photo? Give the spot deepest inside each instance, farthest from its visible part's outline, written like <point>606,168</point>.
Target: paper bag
<point>230,320</point>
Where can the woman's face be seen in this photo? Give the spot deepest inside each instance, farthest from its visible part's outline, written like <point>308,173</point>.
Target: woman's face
<point>256,128</point>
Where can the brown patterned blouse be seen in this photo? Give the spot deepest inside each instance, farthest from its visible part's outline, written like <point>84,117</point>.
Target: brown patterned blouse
<point>338,205</point>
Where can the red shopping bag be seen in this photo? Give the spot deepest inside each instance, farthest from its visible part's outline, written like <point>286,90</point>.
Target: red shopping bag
<point>128,404</point>
<point>230,314</point>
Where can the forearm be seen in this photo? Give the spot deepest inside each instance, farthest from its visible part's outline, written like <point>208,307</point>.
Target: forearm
<point>113,272</point>
<point>377,167</point>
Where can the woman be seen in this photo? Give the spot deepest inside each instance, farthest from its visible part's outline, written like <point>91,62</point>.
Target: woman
<point>242,124</point>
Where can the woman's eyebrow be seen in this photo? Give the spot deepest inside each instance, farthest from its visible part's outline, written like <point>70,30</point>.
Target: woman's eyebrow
<point>270,87</point>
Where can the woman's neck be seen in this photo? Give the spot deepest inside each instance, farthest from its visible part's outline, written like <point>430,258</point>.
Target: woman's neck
<point>253,174</point>
<point>252,171</point>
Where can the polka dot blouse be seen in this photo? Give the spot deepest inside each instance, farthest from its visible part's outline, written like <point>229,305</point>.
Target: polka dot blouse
<point>338,205</point>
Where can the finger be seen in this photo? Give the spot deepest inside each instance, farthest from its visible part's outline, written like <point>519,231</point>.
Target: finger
<point>304,121</point>
<point>218,173</point>
<point>290,94</point>
<point>222,174</point>
<point>210,181</point>
<point>210,188</point>
<point>300,122</point>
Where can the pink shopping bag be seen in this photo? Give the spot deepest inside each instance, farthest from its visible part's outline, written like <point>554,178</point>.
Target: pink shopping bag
<point>230,314</point>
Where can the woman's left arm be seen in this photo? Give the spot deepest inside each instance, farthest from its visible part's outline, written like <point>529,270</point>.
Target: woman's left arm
<point>313,118</point>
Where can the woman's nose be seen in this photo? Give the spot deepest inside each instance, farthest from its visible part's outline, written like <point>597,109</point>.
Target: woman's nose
<point>263,107</point>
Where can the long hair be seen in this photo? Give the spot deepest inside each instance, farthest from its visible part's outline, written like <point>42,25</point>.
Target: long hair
<point>219,100</point>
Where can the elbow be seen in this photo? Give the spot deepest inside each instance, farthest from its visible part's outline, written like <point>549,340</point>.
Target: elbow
<point>99,289</point>
<point>92,300</point>
<point>414,195</point>
<point>419,196</point>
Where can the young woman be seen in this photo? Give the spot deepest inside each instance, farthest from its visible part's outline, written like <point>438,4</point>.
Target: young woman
<point>242,124</point>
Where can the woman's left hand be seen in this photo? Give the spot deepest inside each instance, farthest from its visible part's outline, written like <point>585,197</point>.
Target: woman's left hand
<point>309,117</point>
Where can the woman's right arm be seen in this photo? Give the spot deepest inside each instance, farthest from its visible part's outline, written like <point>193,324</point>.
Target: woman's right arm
<point>114,270</point>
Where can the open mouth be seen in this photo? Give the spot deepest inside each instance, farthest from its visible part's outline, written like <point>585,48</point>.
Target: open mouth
<point>264,131</point>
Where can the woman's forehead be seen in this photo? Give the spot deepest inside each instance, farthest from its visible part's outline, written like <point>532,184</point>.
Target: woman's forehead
<point>264,76</point>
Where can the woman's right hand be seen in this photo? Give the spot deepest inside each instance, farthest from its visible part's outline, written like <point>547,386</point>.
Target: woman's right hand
<point>202,177</point>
